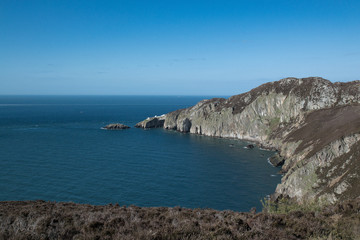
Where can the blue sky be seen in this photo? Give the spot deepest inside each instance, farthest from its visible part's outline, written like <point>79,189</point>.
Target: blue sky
<point>173,47</point>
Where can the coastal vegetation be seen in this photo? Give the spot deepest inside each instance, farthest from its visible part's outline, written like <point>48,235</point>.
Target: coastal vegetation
<point>286,205</point>
<point>51,220</point>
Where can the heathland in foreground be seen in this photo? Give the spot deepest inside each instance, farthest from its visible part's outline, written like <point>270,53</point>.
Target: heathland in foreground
<point>51,220</point>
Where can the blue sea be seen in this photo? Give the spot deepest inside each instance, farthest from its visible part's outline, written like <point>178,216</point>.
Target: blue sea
<point>53,148</point>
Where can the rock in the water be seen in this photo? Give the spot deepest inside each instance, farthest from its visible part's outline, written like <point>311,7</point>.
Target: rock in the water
<point>250,146</point>
<point>116,126</point>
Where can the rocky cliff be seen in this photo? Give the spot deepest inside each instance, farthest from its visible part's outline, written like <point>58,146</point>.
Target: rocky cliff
<point>313,123</point>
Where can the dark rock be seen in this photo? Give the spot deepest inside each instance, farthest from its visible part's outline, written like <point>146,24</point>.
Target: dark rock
<point>277,160</point>
<point>250,146</point>
<point>186,125</point>
<point>116,126</point>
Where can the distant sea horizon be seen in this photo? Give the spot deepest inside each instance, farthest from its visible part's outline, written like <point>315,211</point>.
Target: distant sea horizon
<point>53,148</point>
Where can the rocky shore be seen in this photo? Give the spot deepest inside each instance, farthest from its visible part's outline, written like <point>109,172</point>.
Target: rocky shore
<point>314,125</point>
<point>51,220</point>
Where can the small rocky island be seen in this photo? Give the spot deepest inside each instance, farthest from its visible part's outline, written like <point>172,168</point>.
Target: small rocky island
<point>115,126</point>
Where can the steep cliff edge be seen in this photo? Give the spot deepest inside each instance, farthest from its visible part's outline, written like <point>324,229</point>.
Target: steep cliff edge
<point>313,123</point>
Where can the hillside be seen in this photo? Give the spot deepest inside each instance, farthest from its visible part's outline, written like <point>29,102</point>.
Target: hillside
<point>51,220</point>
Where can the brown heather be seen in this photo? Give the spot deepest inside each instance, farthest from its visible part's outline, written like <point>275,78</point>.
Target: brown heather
<point>51,220</point>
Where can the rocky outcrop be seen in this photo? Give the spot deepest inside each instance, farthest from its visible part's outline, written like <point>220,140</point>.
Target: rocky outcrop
<point>116,126</point>
<point>277,160</point>
<point>312,122</point>
<point>152,122</point>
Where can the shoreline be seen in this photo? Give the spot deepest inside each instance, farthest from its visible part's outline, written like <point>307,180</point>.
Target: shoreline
<point>258,144</point>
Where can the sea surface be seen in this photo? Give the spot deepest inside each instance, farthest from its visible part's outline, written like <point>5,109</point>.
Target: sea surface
<point>53,148</point>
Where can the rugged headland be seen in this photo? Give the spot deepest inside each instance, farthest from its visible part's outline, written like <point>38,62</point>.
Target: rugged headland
<point>314,125</point>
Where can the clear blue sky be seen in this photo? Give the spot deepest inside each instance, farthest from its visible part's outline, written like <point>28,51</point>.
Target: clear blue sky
<point>173,47</point>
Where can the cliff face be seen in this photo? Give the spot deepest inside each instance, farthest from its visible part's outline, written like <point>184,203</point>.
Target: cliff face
<point>313,123</point>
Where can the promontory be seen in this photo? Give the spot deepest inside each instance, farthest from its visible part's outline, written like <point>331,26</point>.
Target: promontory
<point>314,125</point>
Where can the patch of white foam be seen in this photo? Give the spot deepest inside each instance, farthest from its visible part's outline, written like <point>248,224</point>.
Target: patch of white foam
<point>264,149</point>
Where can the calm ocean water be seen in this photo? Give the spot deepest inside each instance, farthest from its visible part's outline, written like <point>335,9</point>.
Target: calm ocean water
<point>52,148</point>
